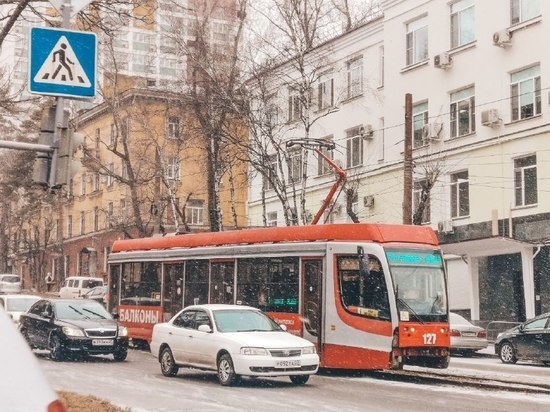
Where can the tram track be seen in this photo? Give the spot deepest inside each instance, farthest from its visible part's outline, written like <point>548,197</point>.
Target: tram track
<point>441,377</point>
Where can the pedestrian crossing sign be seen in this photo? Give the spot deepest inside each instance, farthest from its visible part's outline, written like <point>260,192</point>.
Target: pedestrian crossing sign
<point>62,62</point>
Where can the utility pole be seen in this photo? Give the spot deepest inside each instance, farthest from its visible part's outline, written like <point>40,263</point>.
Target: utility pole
<point>408,163</point>
<point>60,101</point>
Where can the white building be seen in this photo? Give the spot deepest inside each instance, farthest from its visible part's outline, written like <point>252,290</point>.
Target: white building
<point>477,73</point>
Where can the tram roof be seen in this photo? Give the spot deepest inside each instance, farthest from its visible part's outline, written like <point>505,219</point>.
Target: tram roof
<point>367,232</point>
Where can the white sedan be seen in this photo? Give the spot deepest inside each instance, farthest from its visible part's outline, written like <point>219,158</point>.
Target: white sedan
<point>15,305</point>
<point>233,340</point>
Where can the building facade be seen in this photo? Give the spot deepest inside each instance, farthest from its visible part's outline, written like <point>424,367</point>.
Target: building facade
<point>477,80</point>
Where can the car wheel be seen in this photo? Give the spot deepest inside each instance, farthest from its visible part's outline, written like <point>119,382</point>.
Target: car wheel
<point>507,353</point>
<point>226,371</point>
<point>120,355</point>
<point>168,366</point>
<point>299,379</point>
<point>57,353</point>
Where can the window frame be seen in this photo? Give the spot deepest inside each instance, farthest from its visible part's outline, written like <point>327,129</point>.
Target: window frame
<point>460,194</point>
<point>420,113</point>
<point>325,92</point>
<point>414,30</point>
<point>459,10</point>
<point>354,138</point>
<point>354,74</point>
<point>458,99</point>
<point>517,11</point>
<point>323,168</point>
<point>417,191</point>
<point>524,78</point>
<point>173,127</point>
<point>521,183</point>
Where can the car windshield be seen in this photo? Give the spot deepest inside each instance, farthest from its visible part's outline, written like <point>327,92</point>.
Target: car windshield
<point>10,279</point>
<point>419,281</point>
<point>81,310</point>
<point>244,321</point>
<point>19,304</point>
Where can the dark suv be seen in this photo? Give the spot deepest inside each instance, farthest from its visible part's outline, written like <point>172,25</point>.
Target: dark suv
<point>71,326</point>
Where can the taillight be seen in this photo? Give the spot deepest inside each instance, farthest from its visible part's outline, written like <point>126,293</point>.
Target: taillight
<point>455,332</point>
<point>482,334</point>
<point>56,406</point>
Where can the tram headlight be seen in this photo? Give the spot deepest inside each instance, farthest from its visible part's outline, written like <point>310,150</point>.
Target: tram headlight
<point>309,350</point>
<point>74,332</point>
<point>254,351</point>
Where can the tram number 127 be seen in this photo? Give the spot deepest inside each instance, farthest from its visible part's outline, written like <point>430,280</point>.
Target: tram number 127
<point>429,338</point>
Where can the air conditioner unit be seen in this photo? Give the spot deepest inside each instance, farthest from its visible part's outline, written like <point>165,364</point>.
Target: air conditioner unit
<point>445,226</point>
<point>502,38</point>
<point>443,61</point>
<point>366,131</point>
<point>490,118</point>
<point>368,201</point>
<point>431,132</point>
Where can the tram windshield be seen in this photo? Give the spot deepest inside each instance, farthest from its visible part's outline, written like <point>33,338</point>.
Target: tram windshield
<point>420,285</point>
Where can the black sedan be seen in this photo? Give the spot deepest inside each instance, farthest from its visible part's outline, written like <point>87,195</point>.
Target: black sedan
<point>73,327</point>
<point>528,341</point>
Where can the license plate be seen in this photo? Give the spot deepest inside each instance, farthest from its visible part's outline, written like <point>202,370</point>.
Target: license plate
<point>288,364</point>
<point>469,334</point>
<point>102,342</point>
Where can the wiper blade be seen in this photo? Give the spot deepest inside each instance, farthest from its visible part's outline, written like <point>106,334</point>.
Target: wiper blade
<point>408,307</point>
<point>94,313</point>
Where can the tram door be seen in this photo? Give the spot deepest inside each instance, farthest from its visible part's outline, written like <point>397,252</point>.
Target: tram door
<point>114,283</point>
<point>172,300</point>
<point>311,308</point>
<point>222,275</point>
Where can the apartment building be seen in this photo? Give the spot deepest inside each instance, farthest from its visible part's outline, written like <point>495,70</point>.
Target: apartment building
<point>477,77</point>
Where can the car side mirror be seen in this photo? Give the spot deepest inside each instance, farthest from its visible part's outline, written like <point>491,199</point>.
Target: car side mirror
<point>115,315</point>
<point>522,328</point>
<point>283,327</point>
<point>46,315</point>
<point>205,328</point>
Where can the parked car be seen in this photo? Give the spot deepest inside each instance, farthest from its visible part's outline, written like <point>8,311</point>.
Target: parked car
<point>99,294</point>
<point>233,340</point>
<point>71,327</point>
<point>76,286</point>
<point>10,283</point>
<point>466,338</point>
<point>15,305</point>
<point>24,387</point>
<point>527,341</point>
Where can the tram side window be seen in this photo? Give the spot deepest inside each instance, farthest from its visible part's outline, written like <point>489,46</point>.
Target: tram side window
<point>140,284</point>
<point>363,289</point>
<point>270,284</point>
<point>196,282</point>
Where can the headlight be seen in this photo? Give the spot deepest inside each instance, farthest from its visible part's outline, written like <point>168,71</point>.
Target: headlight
<point>122,331</point>
<point>309,350</point>
<point>72,331</point>
<point>254,351</point>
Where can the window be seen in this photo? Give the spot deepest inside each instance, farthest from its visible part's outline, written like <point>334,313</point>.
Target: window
<point>295,169</point>
<point>294,107</point>
<point>525,180</point>
<point>380,137</point>
<point>96,181</point>
<point>354,148</point>
<point>82,223</point>
<point>420,119</point>
<point>96,219</point>
<point>173,168</point>
<point>525,91</point>
<point>417,41</point>
<point>111,168</point>
<point>194,212</point>
<point>323,167</point>
<point>69,227</point>
<point>325,98</point>
<point>362,286</point>
<point>110,208</point>
<point>112,134</point>
<point>97,138</point>
<point>418,193</point>
<point>123,210</point>
<point>381,66</point>
<point>523,10</point>
<point>463,120</point>
<point>173,128</point>
<point>355,77</point>
<point>462,23</point>
<point>272,219</point>
<point>271,172</point>
<point>83,185</point>
<point>460,194</point>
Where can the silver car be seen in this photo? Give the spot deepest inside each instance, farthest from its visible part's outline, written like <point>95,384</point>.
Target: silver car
<point>466,338</point>
<point>15,305</point>
<point>10,283</point>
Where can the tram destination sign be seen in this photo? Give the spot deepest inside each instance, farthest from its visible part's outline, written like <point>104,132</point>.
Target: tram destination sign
<point>416,258</point>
